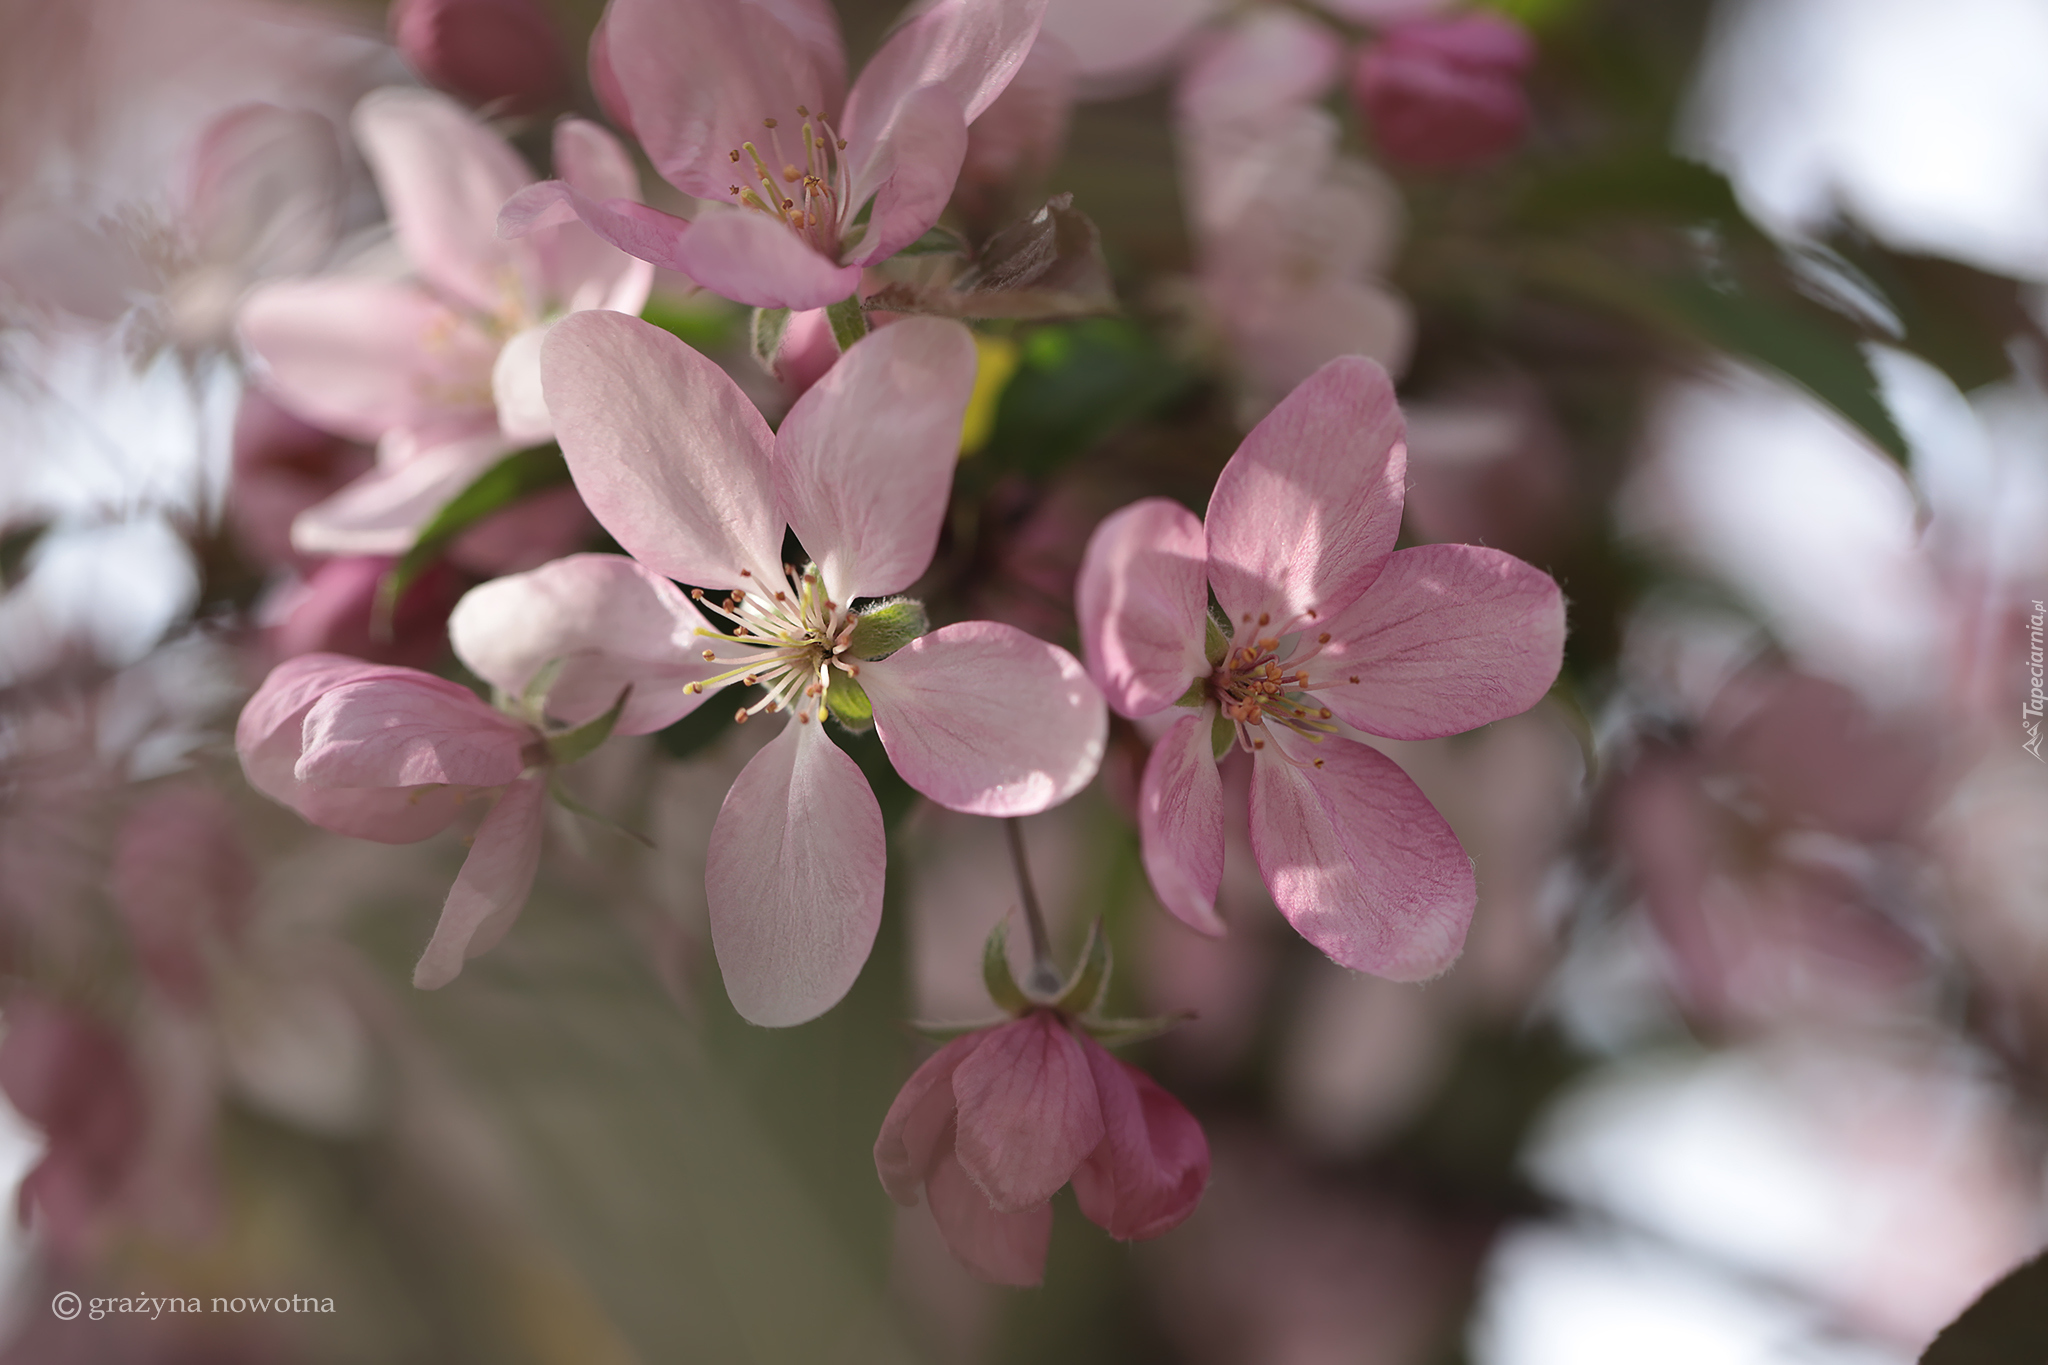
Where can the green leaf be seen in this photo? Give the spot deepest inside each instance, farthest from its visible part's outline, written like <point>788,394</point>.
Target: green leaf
<point>995,971</point>
<point>848,702</point>
<point>517,476</point>
<point>1091,978</point>
<point>1076,385</point>
<point>764,335</point>
<point>2007,1325</point>
<point>937,241</point>
<point>567,746</point>
<point>887,627</point>
<point>704,322</point>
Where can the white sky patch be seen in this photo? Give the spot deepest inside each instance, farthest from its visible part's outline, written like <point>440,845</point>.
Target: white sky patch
<point>1927,123</point>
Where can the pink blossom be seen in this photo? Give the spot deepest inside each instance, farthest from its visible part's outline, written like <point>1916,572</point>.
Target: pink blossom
<point>685,474</point>
<point>332,609</point>
<point>1328,627</point>
<point>182,881</point>
<point>1445,93</point>
<point>740,105</point>
<point>440,369</point>
<point>1292,237</point>
<point>283,465</point>
<point>393,755</point>
<point>73,1078</point>
<point>998,1120</point>
<point>502,53</point>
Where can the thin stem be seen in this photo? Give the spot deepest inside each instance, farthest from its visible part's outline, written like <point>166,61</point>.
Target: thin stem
<point>1045,976</point>
<point>849,322</point>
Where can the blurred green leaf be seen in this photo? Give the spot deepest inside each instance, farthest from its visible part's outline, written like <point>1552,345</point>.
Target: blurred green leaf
<point>17,543</point>
<point>705,322</point>
<point>698,730</point>
<point>1076,385</point>
<point>2007,1325</point>
<point>517,476</point>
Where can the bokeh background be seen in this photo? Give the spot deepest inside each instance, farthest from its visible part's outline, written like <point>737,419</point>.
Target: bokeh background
<point>1746,1061</point>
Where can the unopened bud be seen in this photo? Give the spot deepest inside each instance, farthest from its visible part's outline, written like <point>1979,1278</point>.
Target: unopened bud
<point>505,53</point>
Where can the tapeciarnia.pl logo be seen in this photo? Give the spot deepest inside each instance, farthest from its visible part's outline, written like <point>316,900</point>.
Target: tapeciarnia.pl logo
<point>2037,698</point>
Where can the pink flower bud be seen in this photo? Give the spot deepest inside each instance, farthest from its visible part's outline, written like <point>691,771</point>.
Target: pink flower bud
<point>1446,93</point>
<point>487,52</point>
<point>72,1078</point>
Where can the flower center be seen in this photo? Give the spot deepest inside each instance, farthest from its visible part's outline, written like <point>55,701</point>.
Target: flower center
<point>809,197</point>
<point>1265,681</point>
<point>784,639</point>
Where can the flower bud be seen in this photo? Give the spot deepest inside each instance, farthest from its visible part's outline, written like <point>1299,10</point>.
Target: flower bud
<point>1446,93</point>
<point>486,52</point>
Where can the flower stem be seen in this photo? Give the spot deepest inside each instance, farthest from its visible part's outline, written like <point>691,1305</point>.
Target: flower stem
<point>1044,978</point>
<point>849,322</point>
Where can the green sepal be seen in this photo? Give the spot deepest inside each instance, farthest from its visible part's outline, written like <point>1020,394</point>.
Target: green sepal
<point>1197,693</point>
<point>886,628</point>
<point>1222,734</point>
<point>849,320</point>
<point>511,479</point>
<point>1215,637</point>
<point>1118,1032</point>
<point>1091,978</point>
<point>765,331</point>
<point>995,972</point>
<point>566,746</point>
<point>848,702</point>
<point>533,698</point>
<point>946,1033</point>
<point>567,801</point>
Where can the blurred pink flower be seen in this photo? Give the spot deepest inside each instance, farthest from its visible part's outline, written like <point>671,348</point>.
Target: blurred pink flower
<point>1291,237</point>
<point>71,1077</point>
<point>998,1120</point>
<point>331,611</point>
<point>704,84</point>
<point>505,54</point>
<point>442,370</point>
<point>392,754</point>
<point>1018,138</point>
<point>282,466</point>
<point>182,881</point>
<point>1446,93</point>
<point>1326,625</point>
<point>685,474</point>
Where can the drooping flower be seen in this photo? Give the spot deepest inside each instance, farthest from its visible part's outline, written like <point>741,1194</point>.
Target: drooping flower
<point>393,755</point>
<point>998,1120</point>
<point>740,104</point>
<point>685,474</point>
<point>1327,627</point>
<point>441,369</point>
<point>1446,93</point>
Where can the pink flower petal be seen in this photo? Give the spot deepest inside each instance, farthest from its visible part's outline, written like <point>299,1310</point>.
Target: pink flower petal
<point>864,461</point>
<point>492,887</point>
<point>698,77</point>
<point>665,449</point>
<point>1143,602</point>
<point>753,259</point>
<point>612,622</point>
<point>639,231</point>
<point>1180,822</point>
<point>515,387</point>
<point>384,511</point>
<point>1309,506</point>
<point>1448,638</point>
<point>794,878</point>
<point>1126,39</point>
<point>443,176</point>
<point>1153,1164</point>
<point>1002,1248</point>
<point>361,357</point>
<point>918,1127</point>
<point>408,729</point>
<point>910,172</point>
<point>1027,1111</point>
<point>582,269</point>
<point>969,49</point>
<point>1268,63</point>
<point>985,719</point>
<point>268,739</point>
<point>1359,861</point>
